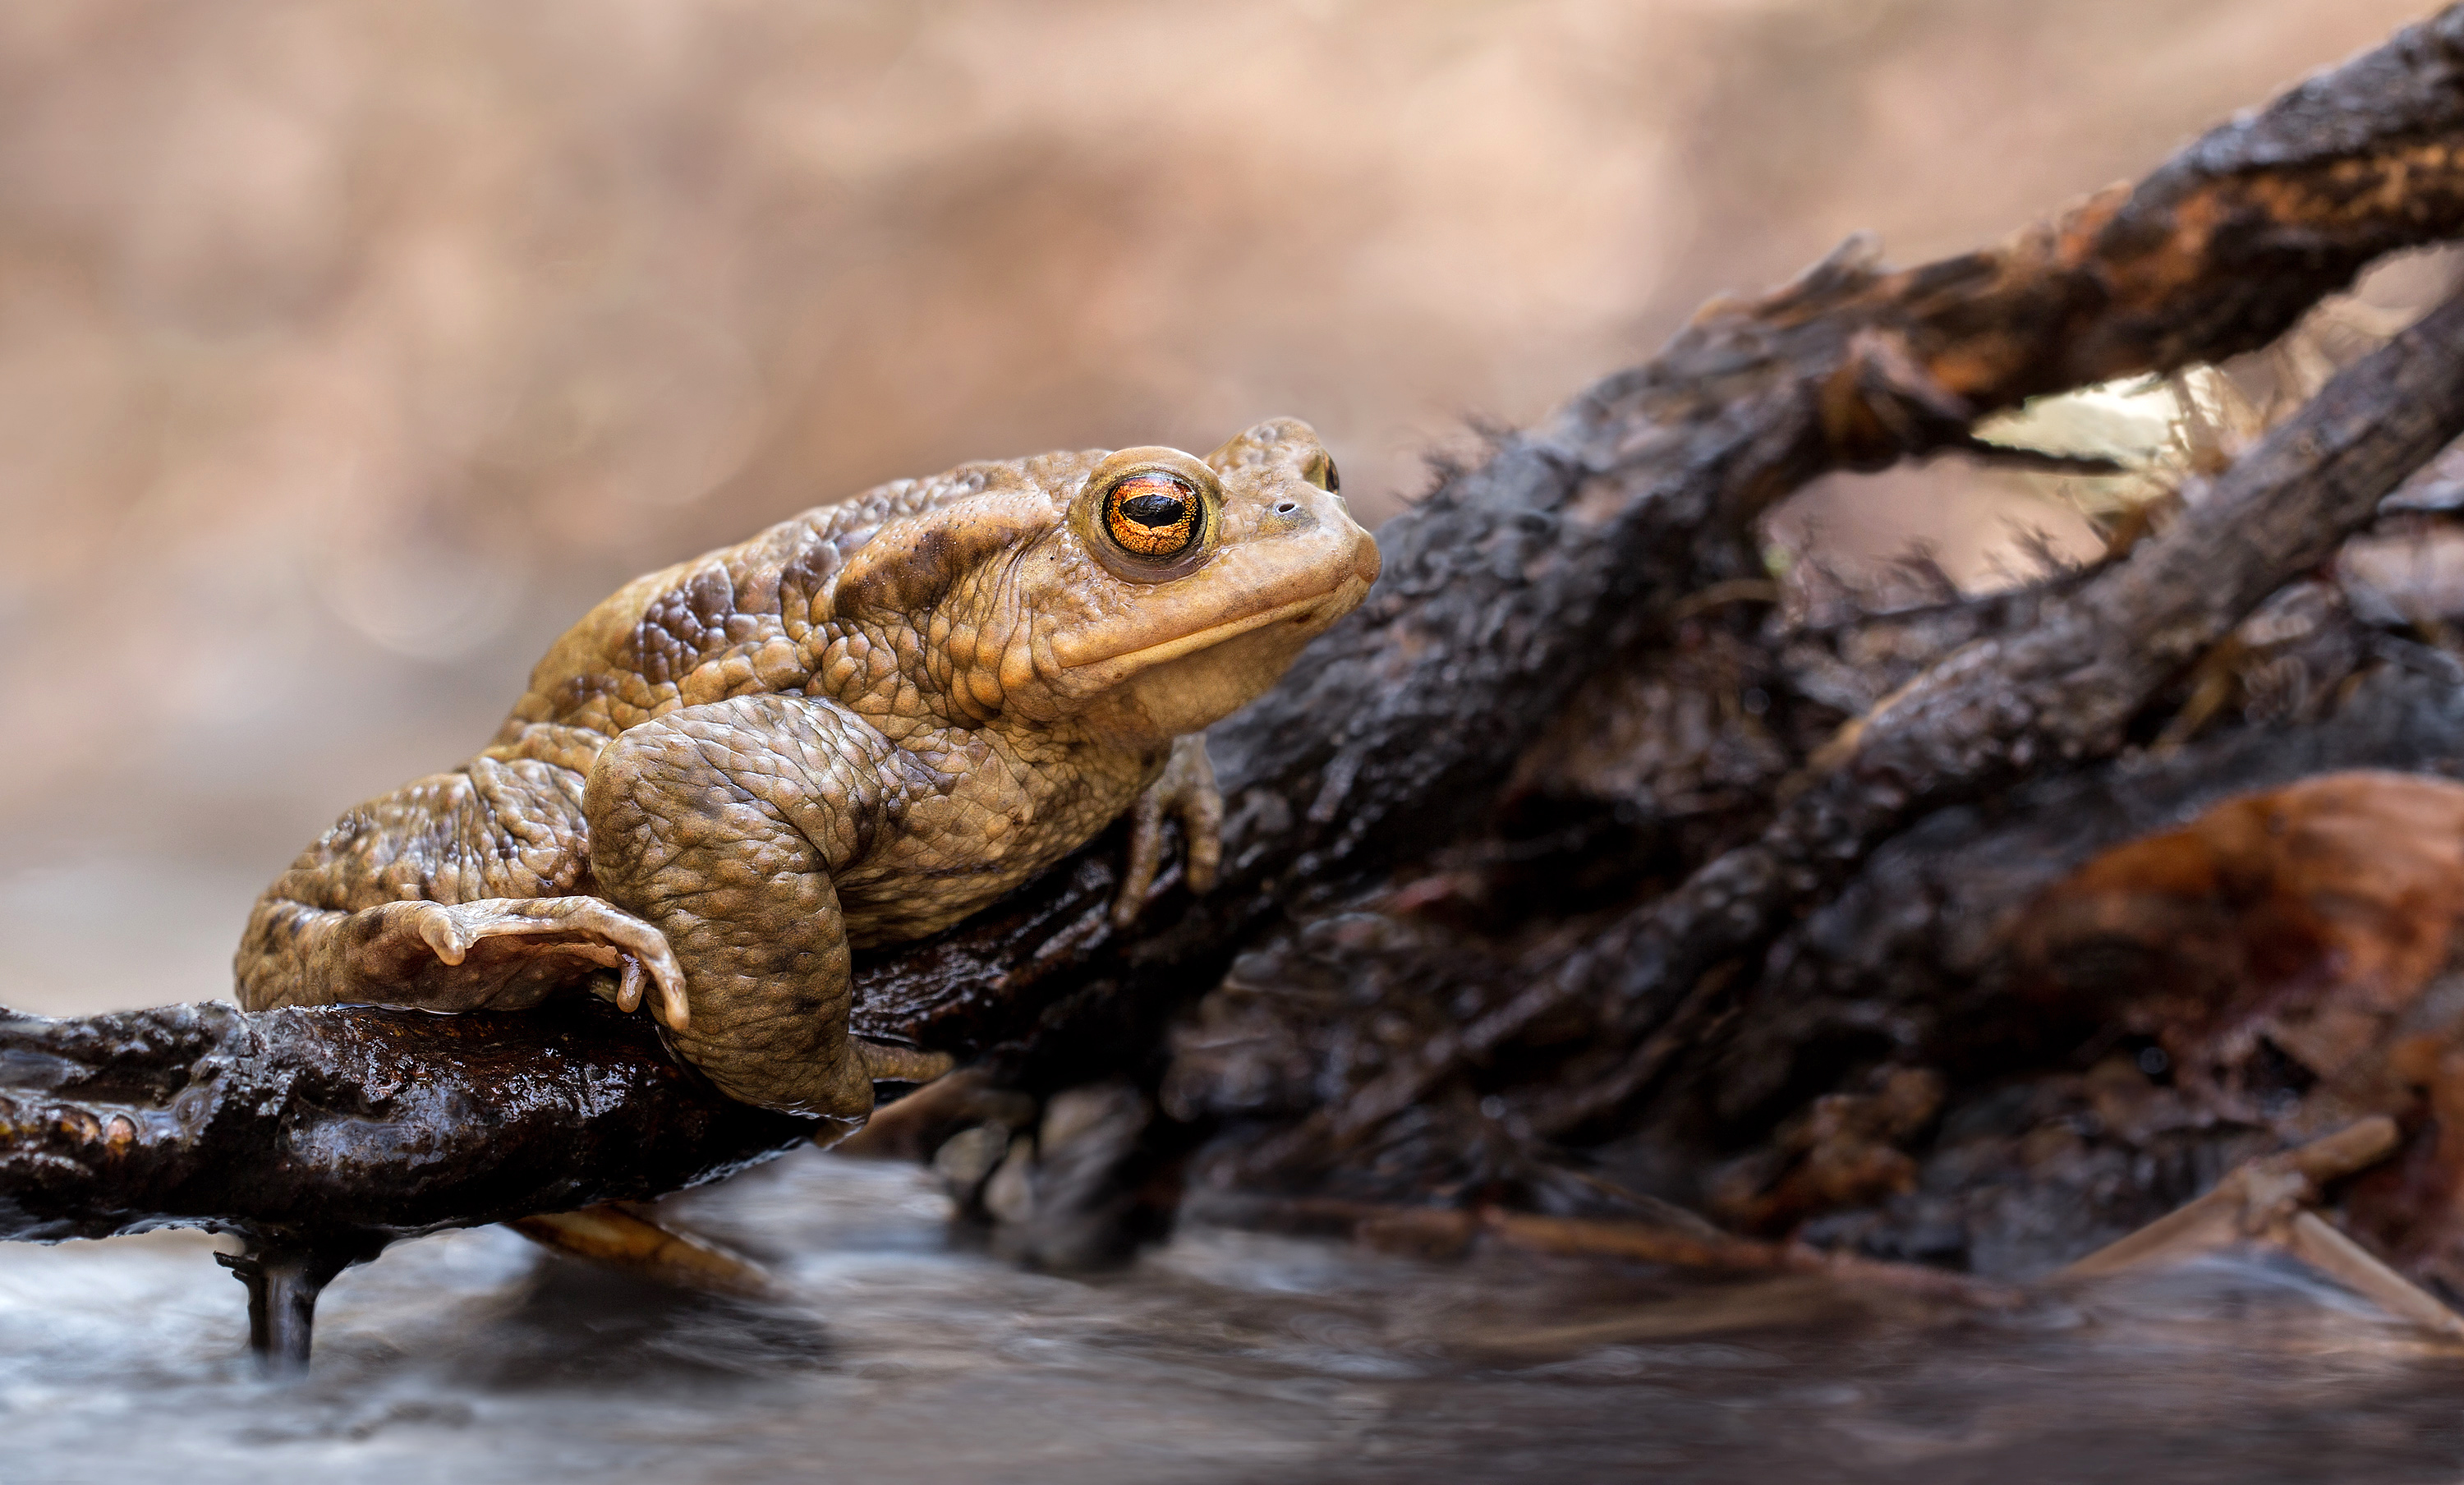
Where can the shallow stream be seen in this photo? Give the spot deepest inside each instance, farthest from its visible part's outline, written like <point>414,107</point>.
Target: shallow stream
<point>473,1358</point>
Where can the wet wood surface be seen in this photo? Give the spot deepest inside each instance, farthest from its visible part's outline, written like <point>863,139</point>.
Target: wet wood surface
<point>1516,581</point>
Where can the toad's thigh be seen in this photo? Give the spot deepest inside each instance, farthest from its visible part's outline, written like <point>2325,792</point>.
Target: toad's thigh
<point>719,825</point>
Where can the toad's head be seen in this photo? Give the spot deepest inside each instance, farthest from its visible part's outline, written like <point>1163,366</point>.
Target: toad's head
<point>1143,592</point>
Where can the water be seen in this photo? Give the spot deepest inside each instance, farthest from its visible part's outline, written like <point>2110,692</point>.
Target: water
<point>473,1358</point>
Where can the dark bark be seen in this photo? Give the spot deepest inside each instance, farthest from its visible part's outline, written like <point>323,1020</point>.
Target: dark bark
<point>2059,691</point>
<point>340,1129</point>
<point>1504,589</point>
<point>1919,937</point>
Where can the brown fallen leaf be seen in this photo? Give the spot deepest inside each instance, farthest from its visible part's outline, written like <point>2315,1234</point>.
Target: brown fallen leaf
<point>2296,926</point>
<point>2295,955</point>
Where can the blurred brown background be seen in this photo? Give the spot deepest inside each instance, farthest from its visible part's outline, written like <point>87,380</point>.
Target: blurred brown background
<point>347,352</point>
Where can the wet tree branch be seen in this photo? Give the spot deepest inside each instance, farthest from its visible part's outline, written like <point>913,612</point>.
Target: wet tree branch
<point>344,1128</point>
<point>2053,694</point>
<point>1504,588</point>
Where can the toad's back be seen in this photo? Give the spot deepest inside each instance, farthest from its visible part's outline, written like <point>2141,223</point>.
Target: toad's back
<point>754,618</point>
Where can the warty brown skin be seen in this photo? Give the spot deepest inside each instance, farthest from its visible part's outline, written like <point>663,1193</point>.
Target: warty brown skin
<point>855,729</point>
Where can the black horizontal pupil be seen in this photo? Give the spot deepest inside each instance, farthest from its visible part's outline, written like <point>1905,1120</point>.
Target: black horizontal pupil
<point>1154,509</point>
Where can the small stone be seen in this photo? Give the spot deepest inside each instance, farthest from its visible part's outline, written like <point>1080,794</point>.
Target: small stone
<point>966,1157</point>
<point>1009,1196</point>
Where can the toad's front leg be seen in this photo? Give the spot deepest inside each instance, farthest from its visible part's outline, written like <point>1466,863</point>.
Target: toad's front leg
<point>1185,790</point>
<point>719,825</point>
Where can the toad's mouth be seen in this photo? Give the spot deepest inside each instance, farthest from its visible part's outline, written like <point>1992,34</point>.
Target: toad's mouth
<point>1316,609</point>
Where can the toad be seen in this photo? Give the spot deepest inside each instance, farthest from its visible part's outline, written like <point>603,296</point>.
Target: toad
<point>854,729</point>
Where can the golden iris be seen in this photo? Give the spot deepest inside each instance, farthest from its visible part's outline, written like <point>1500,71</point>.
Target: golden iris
<point>1152,514</point>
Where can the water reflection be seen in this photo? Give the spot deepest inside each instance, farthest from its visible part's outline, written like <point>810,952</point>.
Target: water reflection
<point>1227,1356</point>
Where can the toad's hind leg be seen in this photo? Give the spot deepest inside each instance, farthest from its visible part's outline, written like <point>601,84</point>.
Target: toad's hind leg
<point>457,891</point>
<point>719,825</point>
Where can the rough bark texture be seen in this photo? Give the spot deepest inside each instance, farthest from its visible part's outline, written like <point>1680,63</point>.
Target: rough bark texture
<point>2062,690</point>
<point>1620,527</point>
<point>344,1129</point>
<point>1921,933</point>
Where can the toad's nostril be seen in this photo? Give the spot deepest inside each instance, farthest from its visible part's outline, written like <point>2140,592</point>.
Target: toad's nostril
<point>1286,508</point>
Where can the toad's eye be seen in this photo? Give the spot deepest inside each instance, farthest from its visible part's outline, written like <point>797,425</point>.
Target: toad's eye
<point>1152,514</point>
<point>1321,473</point>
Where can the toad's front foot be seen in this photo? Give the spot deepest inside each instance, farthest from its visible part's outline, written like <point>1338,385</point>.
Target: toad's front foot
<point>507,952</point>
<point>1186,791</point>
